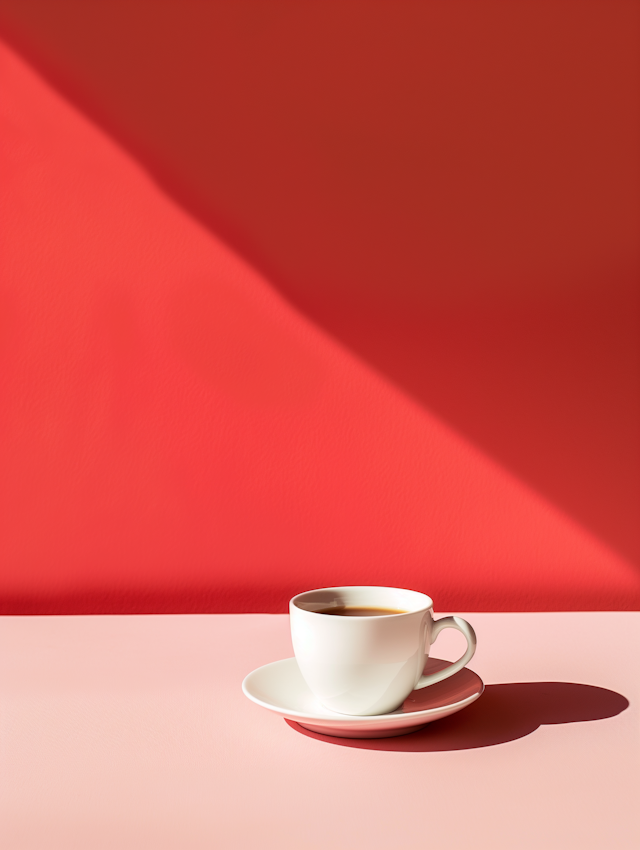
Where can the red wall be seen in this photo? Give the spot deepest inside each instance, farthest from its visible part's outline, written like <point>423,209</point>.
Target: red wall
<point>296,294</point>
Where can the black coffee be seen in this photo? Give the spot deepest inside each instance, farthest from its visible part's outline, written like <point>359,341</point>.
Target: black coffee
<point>360,611</point>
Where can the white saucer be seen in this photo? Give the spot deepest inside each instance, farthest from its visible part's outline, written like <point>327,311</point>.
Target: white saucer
<point>280,687</point>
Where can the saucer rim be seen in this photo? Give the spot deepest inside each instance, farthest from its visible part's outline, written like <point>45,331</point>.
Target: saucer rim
<point>356,718</point>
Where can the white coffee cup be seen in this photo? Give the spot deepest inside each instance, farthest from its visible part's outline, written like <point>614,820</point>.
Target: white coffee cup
<point>369,665</point>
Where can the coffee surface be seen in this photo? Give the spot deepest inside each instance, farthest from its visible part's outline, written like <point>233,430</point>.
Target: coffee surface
<point>360,611</point>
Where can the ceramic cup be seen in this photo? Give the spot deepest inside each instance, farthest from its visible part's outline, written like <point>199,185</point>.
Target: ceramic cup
<point>369,665</point>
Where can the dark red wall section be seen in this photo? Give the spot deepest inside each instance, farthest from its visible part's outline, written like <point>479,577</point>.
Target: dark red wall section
<point>303,293</point>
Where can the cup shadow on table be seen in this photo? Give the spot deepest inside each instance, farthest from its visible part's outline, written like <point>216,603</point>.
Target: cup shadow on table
<point>503,713</point>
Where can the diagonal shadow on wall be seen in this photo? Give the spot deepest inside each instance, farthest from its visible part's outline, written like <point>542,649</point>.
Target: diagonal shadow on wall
<point>448,189</point>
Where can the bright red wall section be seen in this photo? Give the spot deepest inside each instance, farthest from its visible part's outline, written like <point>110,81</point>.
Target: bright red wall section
<point>329,293</point>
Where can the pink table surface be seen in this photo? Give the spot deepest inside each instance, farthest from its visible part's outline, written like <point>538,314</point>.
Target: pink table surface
<point>132,732</point>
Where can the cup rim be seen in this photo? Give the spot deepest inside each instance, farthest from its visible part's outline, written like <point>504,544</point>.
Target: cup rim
<point>427,606</point>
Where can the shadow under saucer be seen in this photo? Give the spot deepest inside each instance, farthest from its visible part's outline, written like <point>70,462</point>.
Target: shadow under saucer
<point>505,712</point>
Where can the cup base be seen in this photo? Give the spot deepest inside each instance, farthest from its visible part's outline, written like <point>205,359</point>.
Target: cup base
<point>280,688</point>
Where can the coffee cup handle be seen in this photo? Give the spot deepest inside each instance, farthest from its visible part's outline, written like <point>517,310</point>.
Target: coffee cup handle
<point>466,629</point>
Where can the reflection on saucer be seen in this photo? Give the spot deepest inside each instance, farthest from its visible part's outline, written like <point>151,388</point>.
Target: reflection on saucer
<point>455,689</point>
